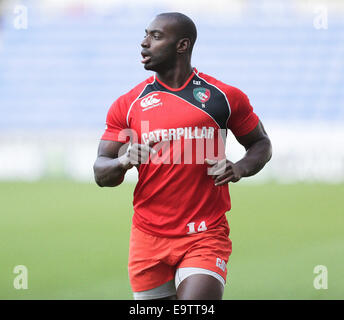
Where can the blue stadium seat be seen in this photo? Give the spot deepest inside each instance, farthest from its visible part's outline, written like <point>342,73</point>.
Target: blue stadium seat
<point>71,68</point>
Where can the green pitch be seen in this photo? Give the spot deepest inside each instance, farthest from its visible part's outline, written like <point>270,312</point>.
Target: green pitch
<point>73,238</point>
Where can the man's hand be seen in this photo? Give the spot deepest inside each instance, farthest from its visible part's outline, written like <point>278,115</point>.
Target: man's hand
<point>136,154</point>
<point>258,153</point>
<point>223,171</point>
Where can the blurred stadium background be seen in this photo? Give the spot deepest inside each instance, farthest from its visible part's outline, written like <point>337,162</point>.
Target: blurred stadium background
<point>62,64</point>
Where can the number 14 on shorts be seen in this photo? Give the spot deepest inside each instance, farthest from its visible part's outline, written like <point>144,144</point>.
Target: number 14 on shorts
<point>192,227</point>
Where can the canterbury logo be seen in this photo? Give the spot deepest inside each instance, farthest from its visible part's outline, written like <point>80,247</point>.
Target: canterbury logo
<point>150,101</point>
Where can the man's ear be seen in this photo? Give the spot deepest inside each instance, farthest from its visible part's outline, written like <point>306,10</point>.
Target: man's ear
<point>183,45</point>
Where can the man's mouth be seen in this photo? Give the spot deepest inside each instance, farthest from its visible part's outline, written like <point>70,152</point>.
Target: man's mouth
<point>145,58</point>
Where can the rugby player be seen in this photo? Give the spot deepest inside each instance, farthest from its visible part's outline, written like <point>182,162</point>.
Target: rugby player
<point>179,242</point>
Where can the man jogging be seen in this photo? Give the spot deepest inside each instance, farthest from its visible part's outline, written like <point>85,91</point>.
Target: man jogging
<point>172,128</point>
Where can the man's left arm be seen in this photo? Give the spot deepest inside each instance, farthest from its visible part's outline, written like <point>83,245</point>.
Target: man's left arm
<point>258,153</point>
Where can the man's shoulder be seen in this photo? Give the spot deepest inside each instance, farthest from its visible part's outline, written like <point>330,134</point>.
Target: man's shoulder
<point>222,86</point>
<point>134,93</point>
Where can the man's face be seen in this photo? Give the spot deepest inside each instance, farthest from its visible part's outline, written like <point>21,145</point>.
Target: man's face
<point>159,49</point>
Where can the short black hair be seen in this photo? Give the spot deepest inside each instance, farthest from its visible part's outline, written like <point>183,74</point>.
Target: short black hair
<point>186,27</point>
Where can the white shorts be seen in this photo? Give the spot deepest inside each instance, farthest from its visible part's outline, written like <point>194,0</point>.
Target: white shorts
<point>170,288</point>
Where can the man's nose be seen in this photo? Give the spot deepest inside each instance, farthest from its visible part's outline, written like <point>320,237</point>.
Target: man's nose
<point>145,43</point>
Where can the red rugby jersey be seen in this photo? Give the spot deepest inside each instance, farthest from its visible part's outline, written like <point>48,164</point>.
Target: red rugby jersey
<point>174,195</point>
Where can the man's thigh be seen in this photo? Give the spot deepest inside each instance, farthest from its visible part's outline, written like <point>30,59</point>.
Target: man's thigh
<point>189,284</point>
<point>198,284</point>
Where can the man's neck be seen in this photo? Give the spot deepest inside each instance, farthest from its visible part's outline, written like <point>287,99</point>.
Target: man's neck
<point>176,77</point>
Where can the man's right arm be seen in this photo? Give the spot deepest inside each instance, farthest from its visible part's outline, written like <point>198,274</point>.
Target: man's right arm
<point>109,169</point>
<point>115,158</point>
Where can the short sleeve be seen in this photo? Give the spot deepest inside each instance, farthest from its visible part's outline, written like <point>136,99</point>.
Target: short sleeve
<point>242,119</point>
<point>116,122</point>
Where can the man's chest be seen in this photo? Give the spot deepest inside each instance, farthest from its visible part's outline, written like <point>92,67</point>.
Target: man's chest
<point>164,110</point>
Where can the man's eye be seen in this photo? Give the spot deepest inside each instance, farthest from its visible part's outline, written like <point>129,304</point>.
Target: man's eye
<point>156,36</point>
